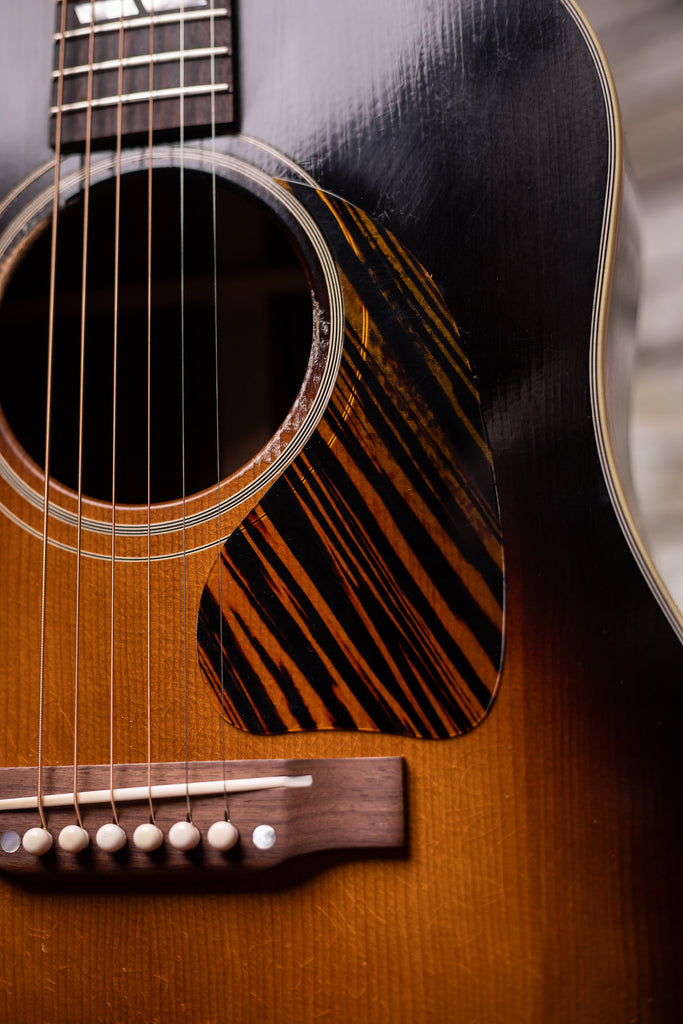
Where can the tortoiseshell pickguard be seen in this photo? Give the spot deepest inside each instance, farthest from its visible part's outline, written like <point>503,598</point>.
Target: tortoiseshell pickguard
<point>365,591</point>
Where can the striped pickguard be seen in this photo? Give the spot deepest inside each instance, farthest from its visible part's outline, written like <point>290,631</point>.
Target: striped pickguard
<point>365,591</point>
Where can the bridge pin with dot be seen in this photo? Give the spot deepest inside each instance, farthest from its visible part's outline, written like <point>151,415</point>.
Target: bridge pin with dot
<point>37,841</point>
<point>184,835</point>
<point>111,837</point>
<point>264,837</point>
<point>10,841</point>
<point>223,835</point>
<point>73,839</point>
<point>148,837</point>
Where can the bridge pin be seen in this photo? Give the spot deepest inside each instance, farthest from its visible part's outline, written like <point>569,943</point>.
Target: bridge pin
<point>37,841</point>
<point>73,839</point>
<point>148,837</point>
<point>223,835</point>
<point>184,835</point>
<point>111,837</point>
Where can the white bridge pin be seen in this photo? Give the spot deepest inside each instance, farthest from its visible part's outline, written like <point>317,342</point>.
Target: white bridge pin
<point>73,839</point>
<point>111,837</point>
<point>37,841</point>
<point>184,835</point>
<point>148,837</point>
<point>223,835</point>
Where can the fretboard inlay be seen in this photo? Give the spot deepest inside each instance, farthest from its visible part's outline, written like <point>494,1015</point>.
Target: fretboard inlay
<point>165,60</point>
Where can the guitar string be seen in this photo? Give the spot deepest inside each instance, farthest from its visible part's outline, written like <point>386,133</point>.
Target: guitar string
<point>83,338</point>
<point>81,403</point>
<point>48,410</point>
<point>117,247</point>
<point>150,141</point>
<point>182,394</point>
<point>214,232</point>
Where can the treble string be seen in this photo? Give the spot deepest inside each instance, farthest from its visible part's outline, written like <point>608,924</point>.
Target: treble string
<point>48,407</point>
<point>181,48</point>
<point>117,243</point>
<point>150,140</point>
<point>81,397</point>
<point>212,41</point>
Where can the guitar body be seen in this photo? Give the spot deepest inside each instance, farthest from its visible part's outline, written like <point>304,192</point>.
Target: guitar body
<point>461,164</point>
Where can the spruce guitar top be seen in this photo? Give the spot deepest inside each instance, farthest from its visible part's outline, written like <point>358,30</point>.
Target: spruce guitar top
<point>315,547</point>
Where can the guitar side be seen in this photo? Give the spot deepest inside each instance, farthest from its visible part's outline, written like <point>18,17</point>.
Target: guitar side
<point>540,881</point>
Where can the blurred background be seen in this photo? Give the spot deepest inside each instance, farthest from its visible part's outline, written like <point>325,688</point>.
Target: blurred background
<point>643,40</point>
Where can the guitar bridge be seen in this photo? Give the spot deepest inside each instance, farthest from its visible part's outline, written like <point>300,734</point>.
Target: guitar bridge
<point>207,816</point>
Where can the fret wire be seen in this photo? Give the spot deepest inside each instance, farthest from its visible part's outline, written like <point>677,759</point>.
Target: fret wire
<point>144,22</point>
<point>138,97</point>
<point>144,59</point>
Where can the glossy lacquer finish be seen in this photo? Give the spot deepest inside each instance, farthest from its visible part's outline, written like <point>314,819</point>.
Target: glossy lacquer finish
<point>540,879</point>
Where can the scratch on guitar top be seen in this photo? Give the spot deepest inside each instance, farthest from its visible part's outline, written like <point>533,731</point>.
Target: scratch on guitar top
<point>341,920</point>
<point>44,934</point>
<point>330,939</point>
<point>365,905</point>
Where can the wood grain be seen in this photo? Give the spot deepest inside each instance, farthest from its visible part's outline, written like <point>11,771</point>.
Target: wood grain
<point>543,877</point>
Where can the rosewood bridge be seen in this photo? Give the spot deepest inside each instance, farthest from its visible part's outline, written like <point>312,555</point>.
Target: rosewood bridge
<point>278,809</point>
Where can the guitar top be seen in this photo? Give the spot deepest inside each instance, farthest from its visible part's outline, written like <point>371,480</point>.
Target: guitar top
<point>337,681</point>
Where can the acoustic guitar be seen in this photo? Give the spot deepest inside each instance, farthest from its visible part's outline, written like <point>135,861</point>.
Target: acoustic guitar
<point>337,683</point>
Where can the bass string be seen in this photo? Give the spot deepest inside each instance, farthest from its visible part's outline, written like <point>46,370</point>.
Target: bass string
<point>81,402</point>
<point>48,409</point>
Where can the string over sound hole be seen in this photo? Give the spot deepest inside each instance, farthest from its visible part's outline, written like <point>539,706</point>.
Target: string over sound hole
<point>258,309</point>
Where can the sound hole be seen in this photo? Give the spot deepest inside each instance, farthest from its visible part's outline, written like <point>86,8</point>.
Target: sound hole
<point>262,321</point>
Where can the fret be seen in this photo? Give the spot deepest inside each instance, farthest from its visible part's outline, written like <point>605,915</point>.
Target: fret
<point>106,66</point>
<point>146,60</point>
<point>140,97</point>
<point>175,18</point>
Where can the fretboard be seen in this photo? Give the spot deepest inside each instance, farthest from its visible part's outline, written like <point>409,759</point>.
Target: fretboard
<point>179,55</point>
